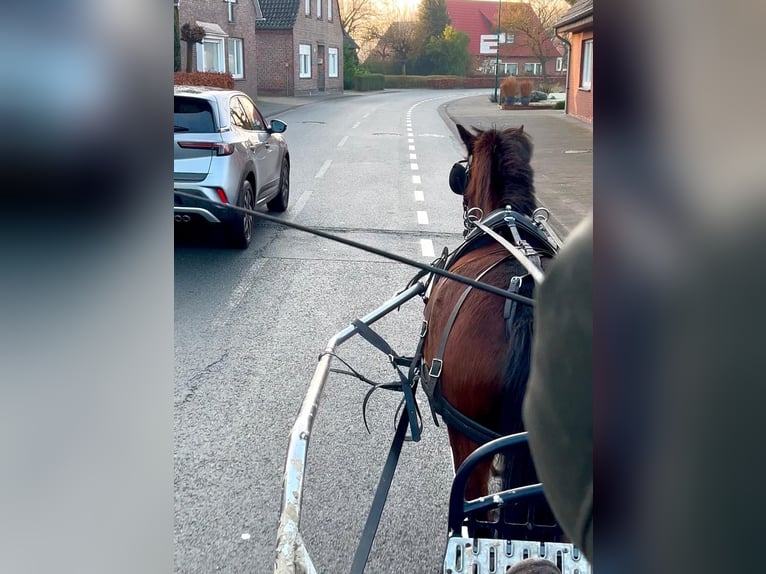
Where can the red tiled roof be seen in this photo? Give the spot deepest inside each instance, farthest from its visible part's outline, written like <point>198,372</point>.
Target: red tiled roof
<point>477,18</point>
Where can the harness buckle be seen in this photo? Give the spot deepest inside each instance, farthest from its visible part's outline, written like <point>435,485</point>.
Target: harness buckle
<point>423,328</point>
<point>436,369</point>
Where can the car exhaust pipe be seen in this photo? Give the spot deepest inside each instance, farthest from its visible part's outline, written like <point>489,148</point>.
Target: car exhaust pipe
<point>186,218</point>
<point>178,218</point>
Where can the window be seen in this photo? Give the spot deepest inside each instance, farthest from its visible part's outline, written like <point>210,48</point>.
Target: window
<point>511,69</point>
<point>235,58</point>
<point>252,115</point>
<point>210,55</point>
<point>307,5</point>
<point>586,73</point>
<point>305,61</point>
<point>319,9</point>
<point>332,57</point>
<point>231,9</point>
<point>559,64</point>
<point>329,10</point>
<point>192,115</point>
<point>238,115</point>
<point>509,38</point>
<point>534,69</point>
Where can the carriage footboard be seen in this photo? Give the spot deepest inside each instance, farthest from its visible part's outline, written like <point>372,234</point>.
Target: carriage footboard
<point>292,557</point>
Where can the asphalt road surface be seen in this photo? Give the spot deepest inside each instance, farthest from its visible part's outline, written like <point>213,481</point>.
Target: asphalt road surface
<point>250,325</point>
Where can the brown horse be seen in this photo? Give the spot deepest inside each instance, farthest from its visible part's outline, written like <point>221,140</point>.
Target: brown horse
<point>486,360</point>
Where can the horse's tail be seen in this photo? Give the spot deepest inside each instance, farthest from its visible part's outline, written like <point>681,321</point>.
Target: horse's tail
<point>518,468</point>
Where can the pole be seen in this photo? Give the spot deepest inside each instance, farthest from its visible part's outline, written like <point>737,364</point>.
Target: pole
<point>497,53</point>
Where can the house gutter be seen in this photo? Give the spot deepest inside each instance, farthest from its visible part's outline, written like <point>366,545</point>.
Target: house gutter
<point>569,54</point>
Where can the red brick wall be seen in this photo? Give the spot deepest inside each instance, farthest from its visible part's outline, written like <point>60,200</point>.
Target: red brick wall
<point>579,101</point>
<point>216,11</point>
<point>276,62</point>
<point>318,32</point>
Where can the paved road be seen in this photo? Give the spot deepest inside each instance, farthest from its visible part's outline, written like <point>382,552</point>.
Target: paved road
<point>249,326</point>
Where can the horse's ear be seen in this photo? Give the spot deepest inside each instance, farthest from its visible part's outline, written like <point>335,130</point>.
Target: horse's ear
<point>521,129</point>
<point>467,137</point>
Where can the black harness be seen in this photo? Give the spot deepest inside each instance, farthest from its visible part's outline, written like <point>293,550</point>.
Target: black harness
<point>525,235</point>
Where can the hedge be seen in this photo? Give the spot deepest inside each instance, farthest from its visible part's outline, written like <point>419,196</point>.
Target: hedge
<point>369,82</point>
<point>448,82</point>
<point>209,79</point>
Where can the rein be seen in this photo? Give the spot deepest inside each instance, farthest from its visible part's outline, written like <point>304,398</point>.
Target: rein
<point>380,252</point>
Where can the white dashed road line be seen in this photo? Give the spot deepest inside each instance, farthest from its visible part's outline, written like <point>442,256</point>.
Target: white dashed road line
<point>343,141</point>
<point>412,148</point>
<point>323,169</point>
<point>419,195</point>
<point>414,167</point>
<point>411,140</point>
<point>422,218</point>
<point>416,179</point>
<point>413,156</point>
<point>427,247</point>
<point>356,125</point>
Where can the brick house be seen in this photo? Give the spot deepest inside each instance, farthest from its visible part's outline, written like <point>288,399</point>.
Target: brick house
<point>300,47</point>
<point>478,20</point>
<point>230,38</point>
<point>578,23</point>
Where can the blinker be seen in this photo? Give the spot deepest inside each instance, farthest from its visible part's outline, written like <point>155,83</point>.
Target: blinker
<point>458,177</point>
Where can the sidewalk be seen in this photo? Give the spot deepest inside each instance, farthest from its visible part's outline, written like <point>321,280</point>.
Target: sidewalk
<point>562,157</point>
<point>272,106</point>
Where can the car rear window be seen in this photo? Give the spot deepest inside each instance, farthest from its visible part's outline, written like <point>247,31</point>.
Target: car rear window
<point>192,115</point>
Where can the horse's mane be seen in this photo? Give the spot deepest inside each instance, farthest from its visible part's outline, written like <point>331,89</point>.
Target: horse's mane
<point>501,173</point>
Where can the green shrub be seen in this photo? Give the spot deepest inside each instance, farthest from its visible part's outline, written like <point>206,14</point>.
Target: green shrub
<point>369,82</point>
<point>559,105</point>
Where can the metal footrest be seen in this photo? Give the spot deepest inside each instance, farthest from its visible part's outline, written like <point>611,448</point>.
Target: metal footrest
<point>488,556</point>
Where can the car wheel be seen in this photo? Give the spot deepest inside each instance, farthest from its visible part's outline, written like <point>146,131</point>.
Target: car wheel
<point>279,203</point>
<point>241,229</point>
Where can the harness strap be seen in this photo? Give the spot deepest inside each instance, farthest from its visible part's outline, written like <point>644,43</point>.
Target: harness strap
<point>432,376</point>
<point>406,380</point>
<point>509,312</point>
<point>466,426</point>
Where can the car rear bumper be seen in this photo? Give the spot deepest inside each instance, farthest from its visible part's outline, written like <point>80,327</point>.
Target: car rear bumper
<point>179,212</point>
<point>207,207</point>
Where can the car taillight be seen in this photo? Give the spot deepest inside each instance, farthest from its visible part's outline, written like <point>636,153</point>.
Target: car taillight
<point>222,195</point>
<point>220,148</point>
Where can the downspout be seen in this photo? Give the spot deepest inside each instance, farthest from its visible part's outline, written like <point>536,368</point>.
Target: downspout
<point>568,60</point>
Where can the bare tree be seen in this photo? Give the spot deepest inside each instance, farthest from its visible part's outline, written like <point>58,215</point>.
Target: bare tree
<point>392,34</point>
<point>532,24</point>
<point>355,16</point>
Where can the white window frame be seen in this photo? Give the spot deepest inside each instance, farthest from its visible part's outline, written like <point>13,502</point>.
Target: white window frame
<point>586,65</point>
<point>221,56</point>
<point>304,60</point>
<point>332,62</point>
<point>560,64</point>
<point>535,67</point>
<point>319,9</point>
<point>510,38</point>
<point>237,71</point>
<point>510,68</point>
<point>329,10</point>
<point>230,9</point>
<point>307,7</point>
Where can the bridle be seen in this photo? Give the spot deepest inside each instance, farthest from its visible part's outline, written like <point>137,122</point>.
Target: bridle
<point>459,178</point>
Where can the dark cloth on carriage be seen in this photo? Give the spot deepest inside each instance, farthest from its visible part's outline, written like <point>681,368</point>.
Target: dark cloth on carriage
<point>558,409</point>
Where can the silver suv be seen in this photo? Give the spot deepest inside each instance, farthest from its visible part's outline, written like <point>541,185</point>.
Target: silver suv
<point>225,152</point>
